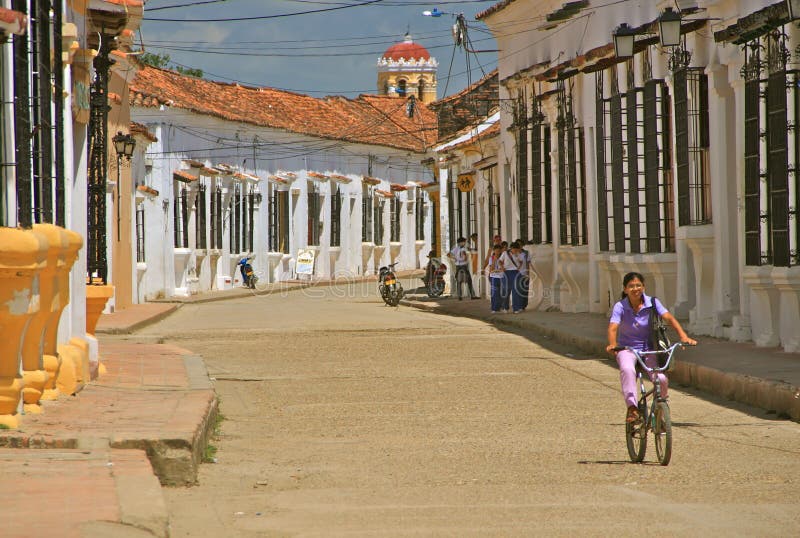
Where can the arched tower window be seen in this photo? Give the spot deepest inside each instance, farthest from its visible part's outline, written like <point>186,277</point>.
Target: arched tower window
<point>401,88</point>
<point>421,89</point>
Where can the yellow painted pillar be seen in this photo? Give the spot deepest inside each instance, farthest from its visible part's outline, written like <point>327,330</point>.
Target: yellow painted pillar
<point>62,369</point>
<point>33,373</point>
<point>22,256</point>
<point>96,298</point>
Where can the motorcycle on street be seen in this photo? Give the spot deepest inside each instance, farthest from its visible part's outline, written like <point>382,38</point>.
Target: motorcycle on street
<point>389,287</point>
<point>249,277</point>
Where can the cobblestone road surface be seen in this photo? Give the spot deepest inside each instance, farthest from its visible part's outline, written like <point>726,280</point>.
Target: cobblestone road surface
<point>345,417</point>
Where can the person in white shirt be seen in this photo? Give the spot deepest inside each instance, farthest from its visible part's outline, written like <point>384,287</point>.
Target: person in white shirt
<point>461,256</point>
<point>497,278</point>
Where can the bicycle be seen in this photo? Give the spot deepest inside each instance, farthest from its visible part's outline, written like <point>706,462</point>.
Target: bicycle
<point>657,419</point>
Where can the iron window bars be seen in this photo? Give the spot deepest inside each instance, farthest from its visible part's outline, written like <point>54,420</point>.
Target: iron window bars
<point>633,144</point>
<point>772,152</point>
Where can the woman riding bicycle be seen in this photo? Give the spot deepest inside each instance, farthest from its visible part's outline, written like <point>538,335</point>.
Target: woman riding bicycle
<point>629,326</point>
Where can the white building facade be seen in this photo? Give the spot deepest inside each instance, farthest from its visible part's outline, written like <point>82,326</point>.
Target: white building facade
<point>679,162</point>
<point>213,191</point>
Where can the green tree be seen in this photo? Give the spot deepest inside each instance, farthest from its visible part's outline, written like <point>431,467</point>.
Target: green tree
<point>164,61</point>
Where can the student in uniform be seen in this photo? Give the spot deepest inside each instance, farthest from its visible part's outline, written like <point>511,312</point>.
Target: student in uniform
<point>497,278</point>
<point>460,255</point>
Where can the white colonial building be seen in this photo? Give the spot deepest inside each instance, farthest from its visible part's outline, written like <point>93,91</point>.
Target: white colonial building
<point>677,161</point>
<point>234,172</point>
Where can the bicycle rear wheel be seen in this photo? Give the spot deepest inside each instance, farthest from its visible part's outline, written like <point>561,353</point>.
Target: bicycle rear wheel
<point>435,287</point>
<point>663,433</point>
<point>636,435</point>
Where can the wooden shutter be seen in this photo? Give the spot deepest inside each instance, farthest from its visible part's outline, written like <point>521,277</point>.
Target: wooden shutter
<point>682,145</point>
<point>651,171</point>
<point>752,174</point>
<point>778,168</point>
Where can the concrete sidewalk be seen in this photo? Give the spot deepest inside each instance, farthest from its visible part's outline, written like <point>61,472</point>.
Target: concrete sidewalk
<point>143,423</point>
<point>762,377</point>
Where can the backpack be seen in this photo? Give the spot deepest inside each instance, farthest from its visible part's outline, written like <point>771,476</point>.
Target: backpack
<point>658,331</point>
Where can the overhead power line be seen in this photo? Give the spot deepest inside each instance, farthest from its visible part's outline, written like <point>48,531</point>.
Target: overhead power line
<point>264,17</point>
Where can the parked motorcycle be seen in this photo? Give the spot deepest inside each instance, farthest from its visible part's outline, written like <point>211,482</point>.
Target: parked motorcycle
<point>434,276</point>
<point>249,277</point>
<point>389,287</point>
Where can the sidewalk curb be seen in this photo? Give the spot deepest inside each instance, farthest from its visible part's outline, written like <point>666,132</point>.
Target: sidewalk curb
<point>780,398</point>
<point>133,327</point>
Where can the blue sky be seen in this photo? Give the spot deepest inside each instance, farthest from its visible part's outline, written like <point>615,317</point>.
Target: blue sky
<point>333,52</point>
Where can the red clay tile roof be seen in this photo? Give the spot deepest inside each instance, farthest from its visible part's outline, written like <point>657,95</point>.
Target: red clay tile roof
<point>317,175</point>
<point>369,119</point>
<point>370,180</point>
<point>493,9</point>
<point>396,187</point>
<point>465,91</point>
<point>490,132</point>
<point>182,175</point>
<point>385,194</point>
<point>148,190</point>
<point>138,128</point>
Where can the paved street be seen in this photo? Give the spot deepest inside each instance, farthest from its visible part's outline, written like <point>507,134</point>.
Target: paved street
<point>345,417</point>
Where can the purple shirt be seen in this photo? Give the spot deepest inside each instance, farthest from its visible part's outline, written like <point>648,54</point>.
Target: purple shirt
<point>634,328</point>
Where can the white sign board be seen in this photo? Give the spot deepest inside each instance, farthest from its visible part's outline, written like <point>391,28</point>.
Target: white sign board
<point>305,262</point>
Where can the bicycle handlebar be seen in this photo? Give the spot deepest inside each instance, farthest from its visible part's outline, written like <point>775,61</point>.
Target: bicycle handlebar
<point>670,351</point>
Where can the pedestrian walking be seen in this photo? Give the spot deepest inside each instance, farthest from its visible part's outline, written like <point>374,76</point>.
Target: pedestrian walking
<point>515,260</point>
<point>497,279</point>
<point>461,257</point>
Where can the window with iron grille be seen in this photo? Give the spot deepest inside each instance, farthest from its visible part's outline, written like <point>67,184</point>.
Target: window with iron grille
<point>772,155</point>
<point>367,228</point>
<point>378,221</point>
<point>420,215</point>
<point>495,227</point>
<point>37,122</point>
<point>634,187</point>
<point>454,209</point>
<point>251,208</point>
<point>541,211</point>
<point>336,217</point>
<point>571,175</point>
<point>470,214</point>
<point>691,146</point>
<point>236,220</point>
<point>6,161</point>
<point>180,214</point>
<point>312,195</point>
<point>216,217</point>
<point>200,218</point>
<point>140,255</point>
<point>395,209</point>
<point>521,130</point>
<point>278,220</point>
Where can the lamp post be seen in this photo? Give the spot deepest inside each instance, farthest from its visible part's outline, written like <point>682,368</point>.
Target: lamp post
<point>624,38</point>
<point>669,28</point>
<point>124,144</point>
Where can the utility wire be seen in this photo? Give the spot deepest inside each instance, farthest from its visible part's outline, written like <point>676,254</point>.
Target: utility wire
<point>264,17</point>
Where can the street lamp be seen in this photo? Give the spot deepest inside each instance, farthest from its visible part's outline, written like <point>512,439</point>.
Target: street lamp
<point>793,6</point>
<point>669,28</point>
<point>124,144</point>
<point>433,13</point>
<point>624,38</point>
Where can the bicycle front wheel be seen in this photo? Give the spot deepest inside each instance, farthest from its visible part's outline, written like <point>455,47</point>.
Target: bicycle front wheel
<point>636,434</point>
<point>663,433</point>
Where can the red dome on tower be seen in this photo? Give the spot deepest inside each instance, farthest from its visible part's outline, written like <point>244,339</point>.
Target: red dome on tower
<point>407,50</point>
